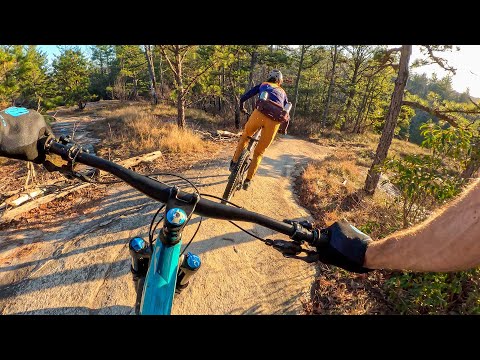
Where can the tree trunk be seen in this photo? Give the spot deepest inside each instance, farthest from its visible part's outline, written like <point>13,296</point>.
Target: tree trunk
<point>151,72</point>
<point>253,62</point>
<point>108,70</point>
<point>161,76</point>
<point>234,95</point>
<point>337,115</point>
<point>473,164</point>
<point>369,107</point>
<point>356,127</point>
<point>39,102</point>
<point>135,88</point>
<point>373,175</point>
<point>237,114</point>
<point>470,170</point>
<point>330,86</point>
<point>176,66</point>
<point>306,104</point>
<point>222,84</point>
<point>180,95</point>
<point>351,95</point>
<point>297,82</point>
<point>181,112</point>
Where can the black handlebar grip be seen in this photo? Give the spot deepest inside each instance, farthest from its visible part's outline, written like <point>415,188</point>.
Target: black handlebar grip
<point>321,238</point>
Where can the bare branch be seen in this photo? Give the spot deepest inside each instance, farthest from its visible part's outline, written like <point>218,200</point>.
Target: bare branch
<point>472,111</point>
<point>186,48</point>
<point>196,77</point>
<point>190,103</point>
<point>431,111</point>
<point>440,61</point>
<point>474,103</point>
<point>164,53</point>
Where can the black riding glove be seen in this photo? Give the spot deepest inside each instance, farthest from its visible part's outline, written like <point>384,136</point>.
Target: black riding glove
<point>23,134</point>
<point>345,248</point>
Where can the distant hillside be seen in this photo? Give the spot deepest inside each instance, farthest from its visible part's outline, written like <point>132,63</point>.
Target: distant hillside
<point>421,85</point>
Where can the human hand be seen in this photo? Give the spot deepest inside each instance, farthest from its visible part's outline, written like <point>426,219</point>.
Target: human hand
<point>23,134</point>
<point>345,248</point>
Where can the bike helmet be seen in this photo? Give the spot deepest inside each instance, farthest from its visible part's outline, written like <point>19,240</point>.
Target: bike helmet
<point>275,75</point>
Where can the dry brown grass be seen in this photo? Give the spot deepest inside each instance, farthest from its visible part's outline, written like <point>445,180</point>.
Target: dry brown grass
<point>332,189</point>
<point>325,183</point>
<point>402,148</point>
<point>304,127</point>
<point>365,145</point>
<point>338,292</point>
<point>140,129</point>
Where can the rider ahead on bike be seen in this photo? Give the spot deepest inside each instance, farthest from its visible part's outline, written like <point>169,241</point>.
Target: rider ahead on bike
<point>268,115</point>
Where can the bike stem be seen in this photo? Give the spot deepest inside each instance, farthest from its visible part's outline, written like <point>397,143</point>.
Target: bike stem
<point>177,214</point>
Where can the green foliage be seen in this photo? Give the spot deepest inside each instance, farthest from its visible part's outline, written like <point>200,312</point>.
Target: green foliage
<point>423,182</point>
<point>9,63</point>
<point>435,293</point>
<point>403,123</point>
<point>104,71</point>
<point>71,75</point>
<point>132,78</point>
<point>24,80</point>
<point>455,143</point>
<point>361,85</point>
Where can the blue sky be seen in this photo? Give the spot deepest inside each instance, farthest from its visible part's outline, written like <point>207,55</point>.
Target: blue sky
<point>52,50</point>
<point>466,61</point>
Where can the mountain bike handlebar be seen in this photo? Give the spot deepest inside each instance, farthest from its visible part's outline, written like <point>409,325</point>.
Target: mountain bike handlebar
<point>160,192</point>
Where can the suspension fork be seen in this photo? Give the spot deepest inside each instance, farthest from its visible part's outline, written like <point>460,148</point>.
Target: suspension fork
<point>160,281</point>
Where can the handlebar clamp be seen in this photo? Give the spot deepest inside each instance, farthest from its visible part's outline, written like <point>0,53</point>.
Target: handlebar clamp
<point>301,229</point>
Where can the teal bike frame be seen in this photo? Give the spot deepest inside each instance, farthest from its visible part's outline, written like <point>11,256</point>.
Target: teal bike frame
<point>161,279</point>
<point>160,283</point>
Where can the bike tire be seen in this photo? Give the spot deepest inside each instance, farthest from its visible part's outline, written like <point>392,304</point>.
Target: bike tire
<point>235,176</point>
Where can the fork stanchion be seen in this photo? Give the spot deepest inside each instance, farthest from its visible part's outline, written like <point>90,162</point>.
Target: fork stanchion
<point>189,266</point>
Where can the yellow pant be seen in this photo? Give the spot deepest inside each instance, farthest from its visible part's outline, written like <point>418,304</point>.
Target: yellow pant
<point>269,129</point>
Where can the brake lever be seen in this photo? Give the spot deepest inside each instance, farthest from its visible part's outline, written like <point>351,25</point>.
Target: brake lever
<point>311,257</point>
<point>306,224</point>
<point>285,247</point>
<point>292,249</point>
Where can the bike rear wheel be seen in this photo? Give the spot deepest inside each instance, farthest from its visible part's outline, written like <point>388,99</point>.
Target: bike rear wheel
<point>236,176</point>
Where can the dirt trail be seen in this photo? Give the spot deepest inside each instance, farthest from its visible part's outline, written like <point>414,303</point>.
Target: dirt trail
<point>82,266</point>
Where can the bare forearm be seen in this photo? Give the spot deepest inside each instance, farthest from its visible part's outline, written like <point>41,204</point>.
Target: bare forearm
<point>448,241</point>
